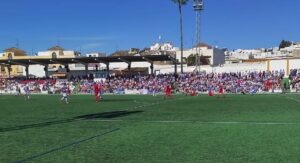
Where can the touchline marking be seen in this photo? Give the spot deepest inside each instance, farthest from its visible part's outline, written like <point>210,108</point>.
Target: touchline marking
<point>293,99</point>
<point>198,122</point>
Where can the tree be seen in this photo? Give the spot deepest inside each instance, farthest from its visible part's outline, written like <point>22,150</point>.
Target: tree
<point>191,60</point>
<point>120,53</point>
<point>180,3</point>
<point>284,44</point>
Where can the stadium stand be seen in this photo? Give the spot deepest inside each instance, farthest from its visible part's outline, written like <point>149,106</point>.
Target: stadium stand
<point>234,83</point>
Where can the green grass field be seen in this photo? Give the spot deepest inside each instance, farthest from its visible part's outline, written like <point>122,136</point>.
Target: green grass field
<point>260,128</point>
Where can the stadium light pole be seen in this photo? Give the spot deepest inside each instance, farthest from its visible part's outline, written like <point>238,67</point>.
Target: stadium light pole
<point>198,7</point>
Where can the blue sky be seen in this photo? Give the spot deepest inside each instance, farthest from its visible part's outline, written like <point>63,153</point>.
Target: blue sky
<point>106,26</point>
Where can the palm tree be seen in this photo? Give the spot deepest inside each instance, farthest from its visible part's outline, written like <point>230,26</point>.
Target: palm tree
<point>180,3</point>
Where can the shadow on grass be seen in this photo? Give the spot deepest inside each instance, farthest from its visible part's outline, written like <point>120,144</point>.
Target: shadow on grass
<point>105,115</point>
<point>108,115</point>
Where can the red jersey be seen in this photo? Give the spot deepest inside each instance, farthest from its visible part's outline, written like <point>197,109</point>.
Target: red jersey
<point>96,89</point>
<point>193,93</point>
<point>167,90</point>
<point>220,88</point>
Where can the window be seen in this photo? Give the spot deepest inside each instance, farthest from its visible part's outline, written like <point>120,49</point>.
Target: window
<point>9,56</point>
<point>54,56</point>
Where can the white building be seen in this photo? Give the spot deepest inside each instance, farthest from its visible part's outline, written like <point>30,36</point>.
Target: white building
<point>267,59</point>
<point>215,56</point>
<point>275,52</point>
<point>163,47</point>
<point>245,54</point>
<point>94,66</point>
<point>53,52</point>
<point>95,55</point>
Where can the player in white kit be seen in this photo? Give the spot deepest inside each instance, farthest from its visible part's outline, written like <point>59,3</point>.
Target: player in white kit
<point>27,92</point>
<point>64,91</point>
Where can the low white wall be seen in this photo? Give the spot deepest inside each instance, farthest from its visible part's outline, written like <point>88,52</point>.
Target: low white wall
<point>239,67</point>
<point>295,64</point>
<point>36,70</point>
<point>277,65</point>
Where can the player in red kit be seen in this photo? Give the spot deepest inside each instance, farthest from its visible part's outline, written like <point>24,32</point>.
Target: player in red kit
<point>193,92</point>
<point>221,91</point>
<point>96,91</point>
<point>167,91</point>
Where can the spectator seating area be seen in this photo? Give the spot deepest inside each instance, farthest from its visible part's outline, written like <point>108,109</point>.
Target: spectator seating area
<point>234,83</point>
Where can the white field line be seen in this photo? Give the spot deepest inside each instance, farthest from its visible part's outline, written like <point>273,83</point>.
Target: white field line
<point>194,122</point>
<point>138,102</point>
<point>294,99</point>
<point>198,122</point>
<point>152,104</point>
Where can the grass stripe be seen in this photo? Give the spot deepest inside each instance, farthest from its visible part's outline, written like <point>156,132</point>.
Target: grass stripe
<point>65,146</point>
<point>198,122</point>
<point>44,124</point>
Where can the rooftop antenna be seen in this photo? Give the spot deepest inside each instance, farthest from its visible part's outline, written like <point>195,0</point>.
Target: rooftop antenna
<point>198,7</point>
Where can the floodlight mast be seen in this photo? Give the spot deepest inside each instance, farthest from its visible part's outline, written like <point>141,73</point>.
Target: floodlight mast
<point>198,7</point>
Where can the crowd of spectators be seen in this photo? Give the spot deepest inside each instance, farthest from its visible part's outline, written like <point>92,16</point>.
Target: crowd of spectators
<point>294,77</point>
<point>235,83</point>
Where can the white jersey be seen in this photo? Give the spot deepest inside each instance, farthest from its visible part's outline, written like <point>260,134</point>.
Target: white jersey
<point>64,91</point>
<point>26,90</point>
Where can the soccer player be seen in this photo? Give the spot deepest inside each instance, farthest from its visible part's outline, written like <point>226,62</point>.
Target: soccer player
<point>221,91</point>
<point>96,91</point>
<point>27,91</point>
<point>210,91</point>
<point>154,90</point>
<point>101,89</point>
<point>193,92</point>
<point>167,91</point>
<point>64,91</point>
<point>75,90</point>
<point>18,91</point>
<point>252,90</point>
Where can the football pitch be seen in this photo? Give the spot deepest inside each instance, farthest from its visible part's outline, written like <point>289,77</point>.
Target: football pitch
<point>130,128</point>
